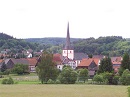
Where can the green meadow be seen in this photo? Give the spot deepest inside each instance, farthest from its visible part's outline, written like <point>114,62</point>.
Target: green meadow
<point>61,90</point>
<point>29,86</point>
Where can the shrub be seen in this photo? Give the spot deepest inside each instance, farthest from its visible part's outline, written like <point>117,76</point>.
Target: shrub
<point>6,72</point>
<point>8,81</point>
<point>107,77</point>
<point>82,75</point>
<point>115,80</point>
<point>98,79</point>
<point>20,68</point>
<point>57,82</point>
<point>4,81</point>
<point>68,76</point>
<point>125,78</point>
<point>50,81</point>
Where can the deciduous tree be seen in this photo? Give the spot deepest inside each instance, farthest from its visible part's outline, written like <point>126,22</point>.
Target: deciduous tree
<point>46,68</point>
<point>68,76</point>
<point>83,75</point>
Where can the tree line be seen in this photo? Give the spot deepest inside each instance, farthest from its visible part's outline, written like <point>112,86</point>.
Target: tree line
<point>48,73</point>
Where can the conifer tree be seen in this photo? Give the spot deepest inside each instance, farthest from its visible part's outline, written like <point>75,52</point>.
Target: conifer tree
<point>125,64</point>
<point>105,65</point>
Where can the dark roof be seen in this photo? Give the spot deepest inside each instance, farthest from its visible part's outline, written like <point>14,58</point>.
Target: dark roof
<point>80,56</point>
<point>20,61</point>
<point>98,56</point>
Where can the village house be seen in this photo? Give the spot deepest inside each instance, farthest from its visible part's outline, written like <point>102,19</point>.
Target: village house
<point>91,64</point>
<point>116,62</point>
<point>10,63</point>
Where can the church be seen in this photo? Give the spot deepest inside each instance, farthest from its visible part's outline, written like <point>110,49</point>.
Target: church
<point>69,57</point>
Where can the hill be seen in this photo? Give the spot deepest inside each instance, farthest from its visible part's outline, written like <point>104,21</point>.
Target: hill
<point>110,45</point>
<point>50,40</point>
<point>8,42</point>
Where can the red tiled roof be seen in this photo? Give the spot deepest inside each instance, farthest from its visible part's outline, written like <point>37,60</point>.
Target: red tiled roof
<point>32,61</point>
<point>85,62</point>
<point>96,60</point>
<point>57,58</point>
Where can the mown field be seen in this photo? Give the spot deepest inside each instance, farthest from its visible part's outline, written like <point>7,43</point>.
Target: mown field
<point>29,86</point>
<point>60,90</point>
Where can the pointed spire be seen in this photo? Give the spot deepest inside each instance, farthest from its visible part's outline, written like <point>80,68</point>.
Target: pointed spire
<point>67,46</point>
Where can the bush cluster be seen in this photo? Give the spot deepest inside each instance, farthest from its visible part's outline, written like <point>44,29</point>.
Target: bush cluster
<point>8,81</point>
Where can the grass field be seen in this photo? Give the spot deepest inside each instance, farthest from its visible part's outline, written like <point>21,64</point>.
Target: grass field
<point>76,90</point>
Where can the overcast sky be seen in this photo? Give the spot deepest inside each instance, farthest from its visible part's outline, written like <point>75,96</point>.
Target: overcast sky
<point>49,18</point>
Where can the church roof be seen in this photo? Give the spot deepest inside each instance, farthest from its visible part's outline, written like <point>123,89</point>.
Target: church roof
<point>80,56</point>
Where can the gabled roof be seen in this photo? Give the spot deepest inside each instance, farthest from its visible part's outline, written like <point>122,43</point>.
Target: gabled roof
<point>32,61</point>
<point>6,61</point>
<point>80,56</point>
<point>88,61</point>
<point>96,60</point>
<point>85,62</point>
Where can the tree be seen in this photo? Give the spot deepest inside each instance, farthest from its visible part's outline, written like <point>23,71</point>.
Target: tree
<point>83,75</point>
<point>125,78</point>
<point>105,65</point>
<point>125,63</point>
<point>46,68</point>
<point>68,76</point>
<point>20,68</point>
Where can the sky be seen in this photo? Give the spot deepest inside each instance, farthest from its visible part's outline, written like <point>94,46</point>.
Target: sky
<point>49,18</point>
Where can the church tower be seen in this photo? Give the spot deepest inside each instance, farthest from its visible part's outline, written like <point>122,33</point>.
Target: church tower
<point>67,50</point>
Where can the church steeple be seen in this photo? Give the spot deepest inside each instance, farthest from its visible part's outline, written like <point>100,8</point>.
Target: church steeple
<point>68,51</point>
<point>67,45</point>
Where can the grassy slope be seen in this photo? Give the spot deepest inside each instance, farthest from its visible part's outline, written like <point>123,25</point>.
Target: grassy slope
<point>37,90</point>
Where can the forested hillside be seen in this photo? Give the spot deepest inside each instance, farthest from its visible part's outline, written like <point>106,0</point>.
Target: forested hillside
<point>8,42</point>
<point>50,40</point>
<point>111,45</point>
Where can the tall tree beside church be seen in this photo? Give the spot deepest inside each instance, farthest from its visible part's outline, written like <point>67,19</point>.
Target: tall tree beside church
<point>46,68</point>
<point>105,65</point>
